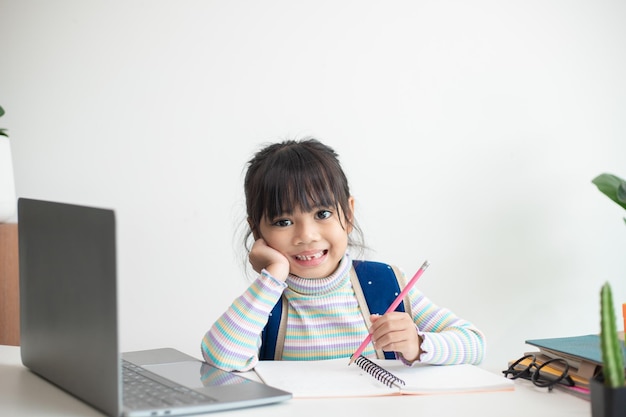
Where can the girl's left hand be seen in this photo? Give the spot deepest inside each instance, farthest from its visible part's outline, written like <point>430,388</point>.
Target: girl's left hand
<point>396,332</point>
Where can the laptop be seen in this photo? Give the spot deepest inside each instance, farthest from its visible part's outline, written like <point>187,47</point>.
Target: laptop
<point>69,333</point>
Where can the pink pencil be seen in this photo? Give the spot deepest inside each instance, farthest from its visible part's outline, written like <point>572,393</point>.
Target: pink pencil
<point>391,308</point>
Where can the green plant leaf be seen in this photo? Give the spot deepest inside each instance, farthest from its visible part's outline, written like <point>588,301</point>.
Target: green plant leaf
<point>613,187</point>
<point>1,111</point>
<point>621,193</point>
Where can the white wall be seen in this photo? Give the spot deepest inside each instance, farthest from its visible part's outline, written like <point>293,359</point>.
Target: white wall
<point>470,132</point>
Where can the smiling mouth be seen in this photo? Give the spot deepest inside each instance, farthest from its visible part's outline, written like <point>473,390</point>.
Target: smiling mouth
<point>311,257</point>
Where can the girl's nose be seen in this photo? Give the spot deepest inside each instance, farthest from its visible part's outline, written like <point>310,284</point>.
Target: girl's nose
<point>306,232</point>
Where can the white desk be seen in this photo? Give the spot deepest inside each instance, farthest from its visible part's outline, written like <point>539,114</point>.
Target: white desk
<point>22,393</point>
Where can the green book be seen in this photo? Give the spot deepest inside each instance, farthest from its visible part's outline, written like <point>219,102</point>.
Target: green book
<point>582,348</point>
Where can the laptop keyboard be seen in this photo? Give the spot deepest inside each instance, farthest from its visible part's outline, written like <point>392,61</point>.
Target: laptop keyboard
<point>145,392</point>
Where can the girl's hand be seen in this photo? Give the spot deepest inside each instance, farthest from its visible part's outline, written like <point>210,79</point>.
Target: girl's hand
<point>265,257</point>
<point>396,332</point>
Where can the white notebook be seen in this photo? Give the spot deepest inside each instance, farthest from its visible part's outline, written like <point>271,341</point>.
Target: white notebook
<point>334,378</point>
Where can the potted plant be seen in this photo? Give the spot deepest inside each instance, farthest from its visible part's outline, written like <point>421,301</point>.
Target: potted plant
<point>8,204</point>
<point>608,393</point>
<point>3,132</point>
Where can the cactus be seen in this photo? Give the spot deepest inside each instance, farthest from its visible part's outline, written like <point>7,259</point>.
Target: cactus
<point>612,354</point>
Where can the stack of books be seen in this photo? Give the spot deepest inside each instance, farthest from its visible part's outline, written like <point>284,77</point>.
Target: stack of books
<point>582,353</point>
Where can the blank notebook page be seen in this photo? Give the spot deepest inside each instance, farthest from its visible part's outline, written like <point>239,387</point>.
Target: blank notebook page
<point>334,378</point>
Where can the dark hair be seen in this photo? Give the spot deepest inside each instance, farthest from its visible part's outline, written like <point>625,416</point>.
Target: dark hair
<point>296,174</point>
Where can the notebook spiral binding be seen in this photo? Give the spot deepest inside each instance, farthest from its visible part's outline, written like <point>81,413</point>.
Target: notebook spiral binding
<point>378,372</point>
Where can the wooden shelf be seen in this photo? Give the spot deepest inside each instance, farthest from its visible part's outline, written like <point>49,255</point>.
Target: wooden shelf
<point>9,286</point>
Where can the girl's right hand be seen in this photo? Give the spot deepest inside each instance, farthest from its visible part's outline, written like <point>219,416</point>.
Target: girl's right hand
<point>262,256</point>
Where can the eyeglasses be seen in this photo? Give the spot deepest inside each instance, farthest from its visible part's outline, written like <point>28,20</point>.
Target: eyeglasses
<point>546,374</point>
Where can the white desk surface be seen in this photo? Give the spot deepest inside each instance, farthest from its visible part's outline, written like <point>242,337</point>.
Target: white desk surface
<point>22,393</point>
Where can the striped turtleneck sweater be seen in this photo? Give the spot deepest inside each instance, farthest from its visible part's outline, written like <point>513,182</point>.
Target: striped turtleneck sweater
<point>325,322</point>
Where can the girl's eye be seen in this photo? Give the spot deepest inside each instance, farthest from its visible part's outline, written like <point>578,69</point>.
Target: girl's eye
<point>282,223</point>
<point>323,214</point>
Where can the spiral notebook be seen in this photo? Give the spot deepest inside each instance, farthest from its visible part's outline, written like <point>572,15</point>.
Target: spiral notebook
<point>366,378</point>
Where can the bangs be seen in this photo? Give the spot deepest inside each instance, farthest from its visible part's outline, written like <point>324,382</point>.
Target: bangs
<point>305,187</point>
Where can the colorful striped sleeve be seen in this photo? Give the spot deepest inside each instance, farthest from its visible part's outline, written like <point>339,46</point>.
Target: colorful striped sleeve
<point>232,343</point>
<point>447,339</point>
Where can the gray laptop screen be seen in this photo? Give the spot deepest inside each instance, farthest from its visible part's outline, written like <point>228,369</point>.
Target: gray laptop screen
<point>67,265</point>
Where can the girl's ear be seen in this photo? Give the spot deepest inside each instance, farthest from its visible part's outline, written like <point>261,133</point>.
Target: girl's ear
<point>255,232</point>
<point>350,216</point>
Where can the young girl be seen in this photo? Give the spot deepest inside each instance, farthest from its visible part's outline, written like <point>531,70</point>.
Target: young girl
<point>301,216</point>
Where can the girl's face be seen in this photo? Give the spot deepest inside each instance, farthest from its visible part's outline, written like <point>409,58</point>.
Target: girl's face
<point>314,242</point>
